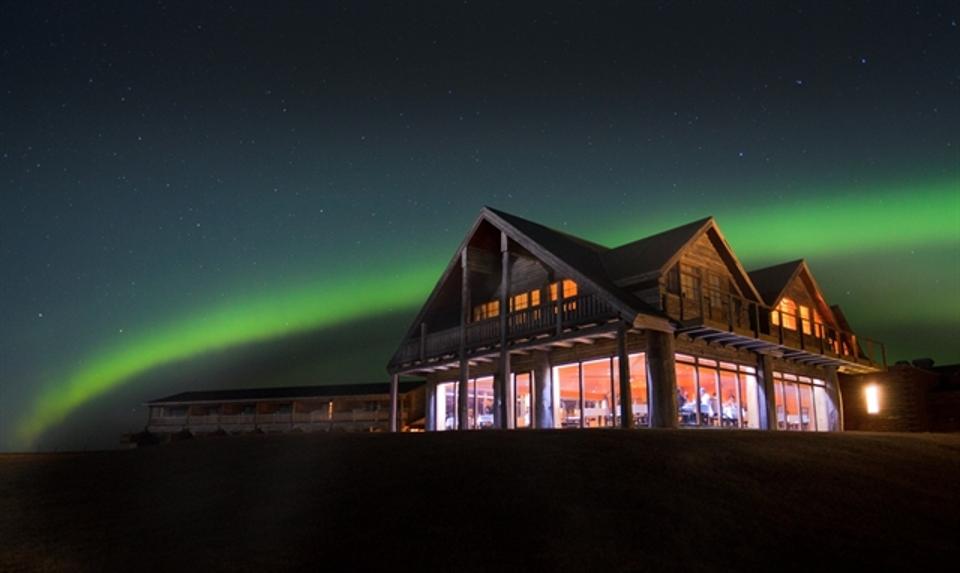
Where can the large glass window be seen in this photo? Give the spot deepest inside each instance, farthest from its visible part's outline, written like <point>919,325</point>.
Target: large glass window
<point>523,393</point>
<point>597,393</point>
<point>639,393</point>
<point>446,406</point>
<point>587,393</point>
<point>566,390</point>
<point>711,393</point>
<point>802,403</point>
<point>686,392</point>
<point>480,403</point>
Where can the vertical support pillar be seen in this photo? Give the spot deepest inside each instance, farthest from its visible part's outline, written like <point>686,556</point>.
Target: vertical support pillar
<point>768,411</point>
<point>395,403</point>
<point>835,408</point>
<point>463,421</point>
<point>430,407</point>
<point>662,377</point>
<point>543,389</point>
<point>626,395</point>
<point>503,388</point>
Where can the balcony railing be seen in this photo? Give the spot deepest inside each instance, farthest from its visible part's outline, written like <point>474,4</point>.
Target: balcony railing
<point>719,310</point>
<point>546,318</point>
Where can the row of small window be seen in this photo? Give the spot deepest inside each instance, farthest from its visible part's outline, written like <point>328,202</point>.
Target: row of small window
<point>524,300</point>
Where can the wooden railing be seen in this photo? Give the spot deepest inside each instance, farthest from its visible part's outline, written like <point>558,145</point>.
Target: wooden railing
<point>550,317</point>
<point>719,309</point>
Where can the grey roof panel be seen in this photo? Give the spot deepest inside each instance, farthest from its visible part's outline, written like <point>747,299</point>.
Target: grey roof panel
<point>289,392</point>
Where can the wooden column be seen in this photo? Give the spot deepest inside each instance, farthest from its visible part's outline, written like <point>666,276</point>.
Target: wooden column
<point>462,403</point>
<point>394,403</point>
<point>430,415</point>
<point>503,388</point>
<point>543,390</point>
<point>662,378</point>
<point>768,410</point>
<point>626,394</point>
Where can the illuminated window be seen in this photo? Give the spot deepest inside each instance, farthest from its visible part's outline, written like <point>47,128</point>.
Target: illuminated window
<point>873,399</point>
<point>569,289</point>
<point>520,301</point>
<point>788,309</point>
<point>486,310</point>
<point>818,325</point>
<point>805,320</point>
<point>802,403</point>
<point>535,298</point>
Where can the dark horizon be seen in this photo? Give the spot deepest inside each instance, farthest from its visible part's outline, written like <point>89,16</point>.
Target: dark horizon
<point>192,189</point>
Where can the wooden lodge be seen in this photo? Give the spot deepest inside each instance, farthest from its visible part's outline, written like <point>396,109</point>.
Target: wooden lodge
<point>347,408</point>
<point>529,327</point>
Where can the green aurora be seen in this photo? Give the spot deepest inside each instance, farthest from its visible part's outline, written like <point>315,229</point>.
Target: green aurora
<point>842,224</point>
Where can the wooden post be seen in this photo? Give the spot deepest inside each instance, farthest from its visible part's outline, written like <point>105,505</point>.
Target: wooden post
<point>613,397</point>
<point>462,404</point>
<point>543,389</point>
<point>626,397</point>
<point>768,409</point>
<point>430,415</point>
<point>580,385</point>
<point>394,403</point>
<point>662,377</point>
<point>503,391</point>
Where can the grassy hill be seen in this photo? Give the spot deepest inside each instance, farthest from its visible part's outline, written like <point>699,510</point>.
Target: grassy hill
<point>485,501</point>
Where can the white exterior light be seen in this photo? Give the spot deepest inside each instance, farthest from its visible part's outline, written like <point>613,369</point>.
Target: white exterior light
<point>872,393</point>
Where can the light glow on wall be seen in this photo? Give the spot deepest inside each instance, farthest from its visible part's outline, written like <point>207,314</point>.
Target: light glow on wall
<point>872,393</point>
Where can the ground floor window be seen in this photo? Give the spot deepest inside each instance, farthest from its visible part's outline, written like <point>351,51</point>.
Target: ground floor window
<point>716,393</point>
<point>479,404</point>
<point>523,394</point>
<point>586,393</point>
<point>802,403</point>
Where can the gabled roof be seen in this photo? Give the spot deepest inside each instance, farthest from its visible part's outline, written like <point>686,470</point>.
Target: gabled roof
<point>596,266</point>
<point>577,258</point>
<point>287,393</point>
<point>773,280</point>
<point>648,256</point>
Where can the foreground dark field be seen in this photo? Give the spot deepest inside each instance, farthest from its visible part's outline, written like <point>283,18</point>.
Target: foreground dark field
<point>590,500</point>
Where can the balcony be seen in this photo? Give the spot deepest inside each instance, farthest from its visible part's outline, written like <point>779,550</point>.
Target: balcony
<point>714,315</point>
<point>535,321</point>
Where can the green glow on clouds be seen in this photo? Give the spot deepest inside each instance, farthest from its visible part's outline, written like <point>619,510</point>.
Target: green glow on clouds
<point>827,224</point>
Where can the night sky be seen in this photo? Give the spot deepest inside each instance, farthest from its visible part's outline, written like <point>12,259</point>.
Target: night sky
<point>201,195</point>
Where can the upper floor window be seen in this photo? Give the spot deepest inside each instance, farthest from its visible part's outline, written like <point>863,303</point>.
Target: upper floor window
<point>785,312</point>
<point>525,300</point>
<point>486,310</point>
<point>569,289</point>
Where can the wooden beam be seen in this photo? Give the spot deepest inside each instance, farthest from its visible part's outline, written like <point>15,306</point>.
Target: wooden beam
<point>394,403</point>
<point>462,404</point>
<point>626,397</point>
<point>503,394</point>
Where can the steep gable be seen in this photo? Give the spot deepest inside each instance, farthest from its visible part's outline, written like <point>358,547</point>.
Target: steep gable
<point>569,256</point>
<point>793,280</point>
<point>698,246</point>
